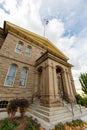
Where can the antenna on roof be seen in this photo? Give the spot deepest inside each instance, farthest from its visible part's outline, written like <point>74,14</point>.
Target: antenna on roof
<point>45,22</point>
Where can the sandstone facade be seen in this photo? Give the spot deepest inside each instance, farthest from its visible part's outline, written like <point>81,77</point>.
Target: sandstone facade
<point>46,68</point>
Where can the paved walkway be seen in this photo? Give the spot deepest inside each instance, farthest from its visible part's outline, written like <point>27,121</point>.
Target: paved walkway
<point>4,115</point>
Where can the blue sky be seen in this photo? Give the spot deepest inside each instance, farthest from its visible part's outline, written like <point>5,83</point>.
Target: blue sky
<point>67,27</point>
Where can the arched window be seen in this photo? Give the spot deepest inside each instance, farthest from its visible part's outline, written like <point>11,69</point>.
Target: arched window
<point>28,50</point>
<point>23,77</point>
<point>11,75</point>
<point>19,47</point>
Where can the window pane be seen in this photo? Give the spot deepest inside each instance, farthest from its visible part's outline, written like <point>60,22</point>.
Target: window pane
<point>19,47</point>
<point>23,77</point>
<point>11,75</point>
<point>28,49</point>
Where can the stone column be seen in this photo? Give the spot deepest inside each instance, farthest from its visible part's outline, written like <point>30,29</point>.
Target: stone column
<point>49,98</point>
<point>43,87</point>
<point>72,82</point>
<point>35,85</point>
<point>69,88</point>
<point>56,91</point>
<point>72,87</point>
<point>67,92</point>
<point>64,78</point>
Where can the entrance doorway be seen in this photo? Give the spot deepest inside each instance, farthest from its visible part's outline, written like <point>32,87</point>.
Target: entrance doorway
<point>60,82</point>
<point>40,83</point>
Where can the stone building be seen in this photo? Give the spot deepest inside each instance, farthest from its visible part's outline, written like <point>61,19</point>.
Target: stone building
<point>32,67</point>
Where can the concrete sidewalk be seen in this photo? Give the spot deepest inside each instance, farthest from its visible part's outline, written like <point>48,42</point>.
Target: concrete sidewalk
<point>4,115</point>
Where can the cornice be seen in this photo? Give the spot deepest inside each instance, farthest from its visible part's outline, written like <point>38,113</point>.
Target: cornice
<point>49,55</point>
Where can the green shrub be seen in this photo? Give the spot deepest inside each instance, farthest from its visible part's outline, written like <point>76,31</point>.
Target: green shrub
<point>59,126</point>
<point>8,125</point>
<point>83,81</point>
<point>81,100</point>
<point>33,124</point>
<point>78,98</point>
<point>77,122</point>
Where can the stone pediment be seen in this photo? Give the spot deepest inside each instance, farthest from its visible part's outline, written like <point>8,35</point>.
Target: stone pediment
<point>36,39</point>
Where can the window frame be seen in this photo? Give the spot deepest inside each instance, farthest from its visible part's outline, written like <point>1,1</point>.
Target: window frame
<point>19,42</point>
<point>7,76</point>
<point>25,78</point>
<point>29,51</point>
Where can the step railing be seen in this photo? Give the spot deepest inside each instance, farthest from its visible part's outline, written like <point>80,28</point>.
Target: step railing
<point>73,110</point>
<point>71,107</point>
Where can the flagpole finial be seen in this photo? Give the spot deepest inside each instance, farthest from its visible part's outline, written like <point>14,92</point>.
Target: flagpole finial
<point>45,22</point>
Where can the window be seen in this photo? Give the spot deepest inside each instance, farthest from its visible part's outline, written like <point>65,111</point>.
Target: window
<point>19,47</point>
<point>28,49</point>
<point>3,104</point>
<point>23,77</point>
<point>11,75</point>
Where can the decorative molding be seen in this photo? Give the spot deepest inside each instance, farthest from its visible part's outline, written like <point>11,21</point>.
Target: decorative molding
<point>50,55</point>
<point>15,60</point>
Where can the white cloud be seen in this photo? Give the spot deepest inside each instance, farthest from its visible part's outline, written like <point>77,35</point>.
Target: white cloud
<point>54,30</point>
<point>76,48</point>
<point>63,15</point>
<point>26,14</point>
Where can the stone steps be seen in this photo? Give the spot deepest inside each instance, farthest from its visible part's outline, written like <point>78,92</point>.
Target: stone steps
<point>50,113</point>
<point>52,116</point>
<point>33,106</point>
<point>38,114</point>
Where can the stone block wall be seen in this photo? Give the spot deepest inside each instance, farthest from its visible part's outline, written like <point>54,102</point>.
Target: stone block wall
<point>8,56</point>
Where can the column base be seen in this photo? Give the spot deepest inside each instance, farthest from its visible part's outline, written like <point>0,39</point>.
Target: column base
<point>50,101</point>
<point>69,99</point>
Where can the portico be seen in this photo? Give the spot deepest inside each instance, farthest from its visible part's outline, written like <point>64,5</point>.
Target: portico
<point>55,81</point>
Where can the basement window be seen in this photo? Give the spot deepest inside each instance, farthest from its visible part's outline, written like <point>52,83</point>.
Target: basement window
<point>3,104</point>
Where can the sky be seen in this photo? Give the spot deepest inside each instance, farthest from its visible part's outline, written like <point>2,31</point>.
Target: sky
<point>66,29</point>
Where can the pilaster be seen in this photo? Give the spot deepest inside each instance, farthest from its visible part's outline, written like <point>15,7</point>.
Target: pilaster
<point>50,96</point>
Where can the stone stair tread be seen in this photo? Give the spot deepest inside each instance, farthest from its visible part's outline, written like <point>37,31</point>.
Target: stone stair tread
<point>52,112</point>
<point>45,108</point>
<point>57,114</point>
<point>61,120</point>
<point>51,117</point>
<point>40,115</point>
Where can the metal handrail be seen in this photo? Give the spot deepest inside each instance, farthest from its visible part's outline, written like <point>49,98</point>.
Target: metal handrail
<point>72,108</point>
<point>80,109</point>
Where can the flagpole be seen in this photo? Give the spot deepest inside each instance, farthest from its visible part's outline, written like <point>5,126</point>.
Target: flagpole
<point>44,30</point>
<point>45,22</point>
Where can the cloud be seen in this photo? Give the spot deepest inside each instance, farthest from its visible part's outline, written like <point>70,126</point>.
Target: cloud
<point>76,48</point>
<point>66,28</point>
<point>26,12</point>
<point>54,30</point>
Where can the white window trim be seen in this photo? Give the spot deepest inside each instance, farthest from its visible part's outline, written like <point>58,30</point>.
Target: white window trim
<point>7,75</point>
<point>26,79</point>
